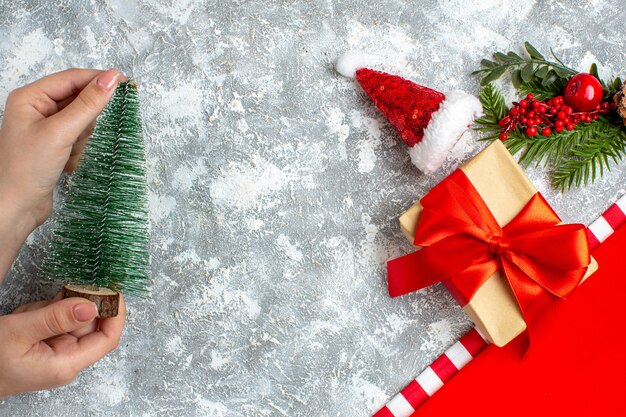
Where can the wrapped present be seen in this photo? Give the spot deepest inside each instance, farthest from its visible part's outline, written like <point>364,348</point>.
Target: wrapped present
<point>491,238</point>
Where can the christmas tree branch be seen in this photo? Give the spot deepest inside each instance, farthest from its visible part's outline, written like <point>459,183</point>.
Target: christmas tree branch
<point>591,155</point>
<point>576,157</point>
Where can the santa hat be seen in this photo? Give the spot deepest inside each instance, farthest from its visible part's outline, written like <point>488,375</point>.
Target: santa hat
<point>428,121</point>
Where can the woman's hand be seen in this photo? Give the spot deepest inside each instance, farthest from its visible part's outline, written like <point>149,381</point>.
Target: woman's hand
<point>45,128</point>
<point>47,343</point>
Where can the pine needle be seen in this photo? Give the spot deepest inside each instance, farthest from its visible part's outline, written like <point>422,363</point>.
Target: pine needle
<point>102,233</point>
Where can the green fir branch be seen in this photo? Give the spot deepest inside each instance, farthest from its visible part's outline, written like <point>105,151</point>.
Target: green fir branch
<point>516,142</point>
<point>494,109</point>
<point>494,106</point>
<point>102,233</point>
<point>541,150</point>
<point>575,157</point>
<point>598,144</point>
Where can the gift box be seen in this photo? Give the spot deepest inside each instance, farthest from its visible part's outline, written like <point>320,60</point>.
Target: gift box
<point>506,191</point>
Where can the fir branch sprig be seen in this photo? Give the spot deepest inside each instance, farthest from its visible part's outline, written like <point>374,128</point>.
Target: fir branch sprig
<point>494,106</point>
<point>576,157</point>
<point>102,234</point>
<point>494,109</point>
<point>532,73</point>
<point>595,146</point>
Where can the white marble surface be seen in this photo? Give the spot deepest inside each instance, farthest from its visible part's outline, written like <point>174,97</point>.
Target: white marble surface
<point>275,188</point>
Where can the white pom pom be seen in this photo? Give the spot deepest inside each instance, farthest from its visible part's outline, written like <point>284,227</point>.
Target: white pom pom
<point>351,61</point>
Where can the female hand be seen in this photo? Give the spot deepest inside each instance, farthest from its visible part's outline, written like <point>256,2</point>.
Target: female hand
<point>45,128</point>
<point>47,343</point>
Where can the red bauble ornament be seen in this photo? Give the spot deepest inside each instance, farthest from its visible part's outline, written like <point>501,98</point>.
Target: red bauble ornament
<point>583,92</point>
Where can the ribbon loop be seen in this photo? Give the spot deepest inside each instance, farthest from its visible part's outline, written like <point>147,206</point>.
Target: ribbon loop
<point>541,259</point>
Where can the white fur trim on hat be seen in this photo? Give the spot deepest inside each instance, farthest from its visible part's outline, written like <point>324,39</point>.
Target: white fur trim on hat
<point>445,128</point>
<point>348,63</point>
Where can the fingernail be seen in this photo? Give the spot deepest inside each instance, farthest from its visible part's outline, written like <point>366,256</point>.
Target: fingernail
<point>107,79</point>
<point>85,311</point>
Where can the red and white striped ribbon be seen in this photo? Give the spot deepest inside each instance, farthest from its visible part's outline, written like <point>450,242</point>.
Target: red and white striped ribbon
<point>435,375</point>
<point>609,222</point>
<point>473,342</point>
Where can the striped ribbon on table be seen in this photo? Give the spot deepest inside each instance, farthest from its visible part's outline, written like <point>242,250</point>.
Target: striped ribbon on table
<point>434,376</point>
<point>473,342</point>
<point>604,226</point>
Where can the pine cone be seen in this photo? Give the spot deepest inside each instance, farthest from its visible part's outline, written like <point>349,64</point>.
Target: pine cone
<point>620,102</point>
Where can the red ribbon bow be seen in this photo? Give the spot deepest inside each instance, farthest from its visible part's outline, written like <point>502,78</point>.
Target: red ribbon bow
<point>463,243</point>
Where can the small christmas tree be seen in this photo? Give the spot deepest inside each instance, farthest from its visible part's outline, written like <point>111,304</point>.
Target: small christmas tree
<point>101,242</point>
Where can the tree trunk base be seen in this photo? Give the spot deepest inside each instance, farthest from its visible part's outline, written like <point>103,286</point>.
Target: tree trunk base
<point>105,299</point>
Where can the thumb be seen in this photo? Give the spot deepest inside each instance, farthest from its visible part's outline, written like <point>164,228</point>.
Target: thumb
<point>85,108</point>
<point>58,318</point>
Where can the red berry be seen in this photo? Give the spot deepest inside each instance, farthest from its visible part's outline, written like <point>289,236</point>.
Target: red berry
<point>561,115</point>
<point>514,111</point>
<point>583,92</point>
<point>558,101</point>
<point>538,120</point>
<point>559,128</point>
<point>605,105</point>
<point>523,104</point>
<point>531,131</point>
<point>503,136</point>
<point>546,131</point>
<point>550,103</point>
<point>542,109</point>
<point>530,96</point>
<point>598,107</point>
<point>559,123</point>
<point>569,126</point>
<point>530,114</point>
<point>536,104</point>
<point>596,117</point>
<point>567,109</point>
<point>524,120</point>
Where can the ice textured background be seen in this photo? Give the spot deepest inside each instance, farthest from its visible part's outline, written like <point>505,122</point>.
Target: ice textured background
<point>275,188</point>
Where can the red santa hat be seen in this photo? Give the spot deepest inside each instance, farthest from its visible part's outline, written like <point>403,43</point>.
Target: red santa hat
<point>428,121</point>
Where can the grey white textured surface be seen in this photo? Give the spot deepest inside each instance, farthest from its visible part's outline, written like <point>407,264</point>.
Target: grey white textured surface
<point>275,189</point>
